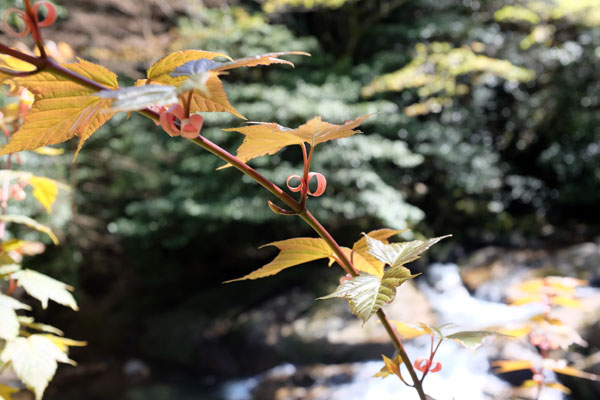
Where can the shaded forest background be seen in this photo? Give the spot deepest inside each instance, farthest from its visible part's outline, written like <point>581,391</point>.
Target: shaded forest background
<point>495,153</point>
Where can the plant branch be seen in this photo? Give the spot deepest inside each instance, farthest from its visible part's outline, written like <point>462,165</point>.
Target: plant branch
<point>297,207</point>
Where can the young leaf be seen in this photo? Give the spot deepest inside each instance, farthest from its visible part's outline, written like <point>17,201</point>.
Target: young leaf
<point>396,254</point>
<point>34,360</point>
<point>472,339</point>
<point>362,260</point>
<point>203,65</point>
<point>262,139</point>
<point>31,223</point>
<point>316,131</point>
<point>9,328</point>
<point>63,108</point>
<point>368,293</point>
<point>409,331</point>
<point>162,69</point>
<point>268,137</point>
<point>44,288</point>
<point>211,99</point>
<point>139,97</point>
<point>45,191</point>
<point>391,367</point>
<point>292,252</point>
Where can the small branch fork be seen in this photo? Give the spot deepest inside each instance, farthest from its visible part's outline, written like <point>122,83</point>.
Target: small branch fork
<point>46,63</point>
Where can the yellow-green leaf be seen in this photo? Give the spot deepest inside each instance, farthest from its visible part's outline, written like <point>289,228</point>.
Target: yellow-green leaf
<point>366,293</point>
<point>361,258</point>
<point>262,139</point>
<point>395,254</point>
<point>62,108</point>
<point>292,252</point>
<point>34,360</point>
<point>31,223</point>
<point>44,288</point>
<point>409,331</point>
<point>45,191</point>
<point>161,70</point>
<point>268,138</point>
<point>316,131</point>
<point>49,151</point>
<point>391,367</point>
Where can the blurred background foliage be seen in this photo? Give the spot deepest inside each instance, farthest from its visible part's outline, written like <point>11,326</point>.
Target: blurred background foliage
<point>487,127</point>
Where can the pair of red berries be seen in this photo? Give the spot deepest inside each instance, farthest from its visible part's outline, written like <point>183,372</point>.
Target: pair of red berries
<point>189,126</point>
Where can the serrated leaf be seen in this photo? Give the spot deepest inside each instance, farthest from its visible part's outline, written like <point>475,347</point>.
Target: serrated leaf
<point>211,99</point>
<point>391,367</point>
<point>45,191</point>
<point>292,252</point>
<point>139,97</point>
<point>504,366</point>
<point>395,254</point>
<point>6,392</point>
<point>31,223</point>
<point>316,131</point>
<point>34,360</point>
<point>44,288</point>
<point>161,70</point>
<point>262,138</point>
<point>203,65</point>
<point>362,260</point>
<point>9,325</point>
<point>62,108</point>
<point>472,339</point>
<point>366,293</point>
<point>29,322</point>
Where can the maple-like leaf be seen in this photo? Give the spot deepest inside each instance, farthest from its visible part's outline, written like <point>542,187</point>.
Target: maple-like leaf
<point>292,252</point>
<point>45,288</point>
<point>62,108</point>
<point>34,360</point>
<point>162,69</point>
<point>365,262</point>
<point>182,67</point>
<point>391,367</point>
<point>366,293</point>
<point>395,254</point>
<point>268,138</point>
